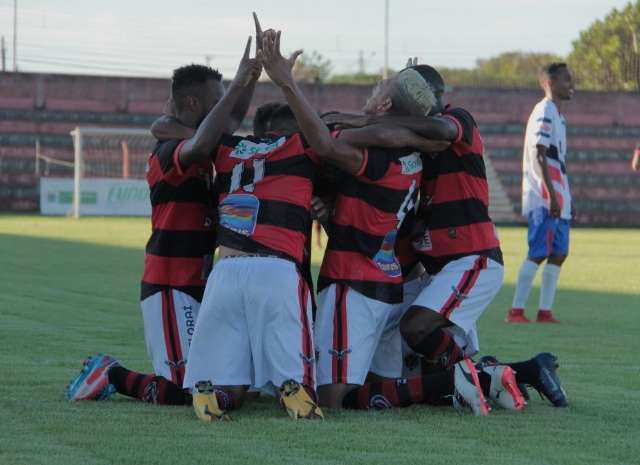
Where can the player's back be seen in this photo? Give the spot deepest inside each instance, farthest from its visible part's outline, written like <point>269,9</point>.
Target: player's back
<point>265,188</point>
<point>182,241</point>
<point>455,200</point>
<point>369,211</point>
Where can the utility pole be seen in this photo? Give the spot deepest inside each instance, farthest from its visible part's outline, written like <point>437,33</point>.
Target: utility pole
<point>361,62</point>
<point>385,70</point>
<point>3,52</point>
<point>15,35</point>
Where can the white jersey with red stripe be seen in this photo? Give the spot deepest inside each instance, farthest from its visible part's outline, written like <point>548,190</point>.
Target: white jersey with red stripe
<point>546,127</point>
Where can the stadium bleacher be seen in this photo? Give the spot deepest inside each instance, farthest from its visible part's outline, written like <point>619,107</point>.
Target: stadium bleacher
<point>603,129</point>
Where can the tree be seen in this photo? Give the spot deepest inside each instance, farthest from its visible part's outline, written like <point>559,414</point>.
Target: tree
<point>606,55</point>
<point>512,69</point>
<point>312,67</point>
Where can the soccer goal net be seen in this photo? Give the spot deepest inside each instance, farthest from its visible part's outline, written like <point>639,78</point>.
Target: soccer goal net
<point>109,166</point>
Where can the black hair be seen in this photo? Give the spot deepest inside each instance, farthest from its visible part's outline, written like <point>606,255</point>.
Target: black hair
<point>262,118</point>
<point>551,70</point>
<point>274,117</point>
<point>186,78</point>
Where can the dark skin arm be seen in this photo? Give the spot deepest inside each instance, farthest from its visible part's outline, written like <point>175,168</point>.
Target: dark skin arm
<point>341,152</point>
<point>199,147</point>
<point>430,127</point>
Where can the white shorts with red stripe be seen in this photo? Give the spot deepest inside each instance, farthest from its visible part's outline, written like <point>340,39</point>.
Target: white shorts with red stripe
<point>348,328</point>
<point>461,292</point>
<point>254,326</point>
<point>388,360</point>
<point>169,322</point>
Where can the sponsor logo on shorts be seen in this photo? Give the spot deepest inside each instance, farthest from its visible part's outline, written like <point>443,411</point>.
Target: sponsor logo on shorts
<point>177,364</point>
<point>190,321</point>
<point>307,360</point>
<point>379,402</point>
<point>339,354</point>
<point>459,295</point>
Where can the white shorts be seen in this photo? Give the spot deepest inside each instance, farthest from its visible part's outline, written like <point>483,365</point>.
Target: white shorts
<point>169,322</point>
<point>388,359</point>
<point>348,328</point>
<point>461,292</point>
<point>254,326</point>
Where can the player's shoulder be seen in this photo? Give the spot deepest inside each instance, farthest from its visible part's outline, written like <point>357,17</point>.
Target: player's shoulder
<point>461,114</point>
<point>547,108</point>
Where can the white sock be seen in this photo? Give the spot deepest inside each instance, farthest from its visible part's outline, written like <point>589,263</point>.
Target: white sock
<point>550,276</point>
<point>525,280</point>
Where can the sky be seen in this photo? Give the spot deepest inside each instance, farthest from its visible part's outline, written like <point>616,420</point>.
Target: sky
<point>151,37</point>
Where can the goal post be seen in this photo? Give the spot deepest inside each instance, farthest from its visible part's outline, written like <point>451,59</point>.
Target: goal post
<point>109,167</point>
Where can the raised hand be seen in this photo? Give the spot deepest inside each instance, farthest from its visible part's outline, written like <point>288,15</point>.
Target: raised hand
<point>277,67</point>
<point>412,62</point>
<point>249,69</point>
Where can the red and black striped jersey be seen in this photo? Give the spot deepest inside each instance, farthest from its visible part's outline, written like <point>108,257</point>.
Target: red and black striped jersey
<point>455,200</point>
<point>264,191</point>
<point>369,211</point>
<point>180,249</point>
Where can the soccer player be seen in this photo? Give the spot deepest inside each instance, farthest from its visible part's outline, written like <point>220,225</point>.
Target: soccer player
<point>458,246</point>
<point>179,252</point>
<point>257,300</point>
<point>361,274</point>
<point>546,198</point>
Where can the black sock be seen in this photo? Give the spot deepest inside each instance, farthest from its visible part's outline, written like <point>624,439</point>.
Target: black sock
<point>526,372</point>
<point>485,382</point>
<point>431,389</point>
<point>147,387</point>
<point>439,347</point>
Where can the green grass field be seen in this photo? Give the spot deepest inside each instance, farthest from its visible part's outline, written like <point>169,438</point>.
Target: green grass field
<point>70,288</point>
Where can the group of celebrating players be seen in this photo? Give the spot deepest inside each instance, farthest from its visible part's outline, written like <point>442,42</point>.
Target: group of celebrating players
<point>412,259</point>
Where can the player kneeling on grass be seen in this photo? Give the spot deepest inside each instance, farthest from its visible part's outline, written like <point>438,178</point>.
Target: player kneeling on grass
<point>178,254</point>
<point>457,243</point>
<point>461,382</point>
<point>256,300</point>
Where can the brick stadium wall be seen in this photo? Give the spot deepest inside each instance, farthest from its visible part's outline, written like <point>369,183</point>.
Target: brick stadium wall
<point>603,130</point>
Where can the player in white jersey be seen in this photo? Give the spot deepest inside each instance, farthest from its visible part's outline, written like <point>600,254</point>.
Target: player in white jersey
<point>546,198</point>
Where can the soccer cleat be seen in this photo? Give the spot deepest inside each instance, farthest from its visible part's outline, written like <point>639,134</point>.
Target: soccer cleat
<point>548,384</point>
<point>489,360</point>
<point>205,403</point>
<point>93,381</point>
<point>516,315</point>
<point>467,389</point>
<point>297,402</point>
<point>546,316</point>
<point>504,389</point>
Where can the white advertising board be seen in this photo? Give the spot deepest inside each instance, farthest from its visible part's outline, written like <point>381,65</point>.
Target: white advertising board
<point>100,197</point>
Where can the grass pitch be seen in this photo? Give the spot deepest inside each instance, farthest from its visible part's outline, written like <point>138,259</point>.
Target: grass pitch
<point>70,288</point>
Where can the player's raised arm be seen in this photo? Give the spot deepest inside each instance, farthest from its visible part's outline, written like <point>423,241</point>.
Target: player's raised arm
<point>317,134</point>
<point>199,147</point>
